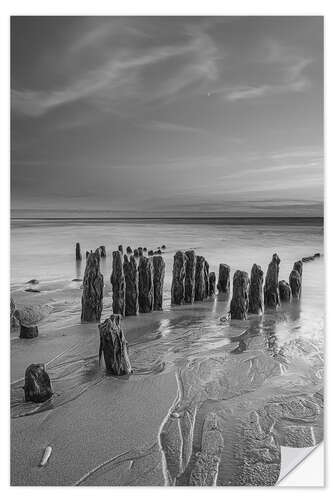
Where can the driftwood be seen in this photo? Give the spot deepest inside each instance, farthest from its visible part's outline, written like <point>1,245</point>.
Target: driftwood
<point>146,290</point>
<point>200,284</point>
<point>271,288</point>
<point>223,284</point>
<point>131,286</point>
<point>284,291</point>
<point>118,283</point>
<point>212,282</point>
<point>190,276</point>
<point>158,281</point>
<point>178,278</point>
<point>295,282</point>
<point>102,251</point>
<point>256,291</point>
<point>37,384</point>
<point>240,296</point>
<point>113,345</point>
<point>206,273</point>
<point>78,254</point>
<point>92,296</point>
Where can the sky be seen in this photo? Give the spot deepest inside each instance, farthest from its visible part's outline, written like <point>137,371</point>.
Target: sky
<point>167,116</point>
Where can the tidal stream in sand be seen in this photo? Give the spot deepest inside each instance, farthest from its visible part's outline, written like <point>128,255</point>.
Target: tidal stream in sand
<point>210,401</point>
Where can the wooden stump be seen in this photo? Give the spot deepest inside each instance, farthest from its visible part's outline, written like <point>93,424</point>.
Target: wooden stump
<point>87,253</point>
<point>92,296</point>
<point>113,345</point>
<point>223,284</point>
<point>37,384</point>
<point>200,284</point>
<point>178,279</point>
<point>28,332</point>
<point>131,285</point>
<point>78,254</point>
<point>206,273</point>
<point>103,251</point>
<point>295,282</point>
<point>158,281</point>
<point>120,249</point>
<point>298,266</point>
<point>136,253</point>
<point>284,291</point>
<point>271,288</point>
<point>128,250</point>
<point>118,283</point>
<point>146,290</point>
<point>190,276</point>
<point>256,291</point>
<point>240,296</point>
<point>212,282</point>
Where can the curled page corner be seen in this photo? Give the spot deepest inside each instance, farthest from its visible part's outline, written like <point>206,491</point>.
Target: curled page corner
<point>291,458</point>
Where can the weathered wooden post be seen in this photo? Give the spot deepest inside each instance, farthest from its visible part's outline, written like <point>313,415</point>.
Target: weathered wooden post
<point>240,295</point>
<point>118,283</point>
<point>113,345</point>
<point>284,291</point>
<point>37,384</point>
<point>223,284</point>
<point>256,291</point>
<point>92,296</point>
<point>131,285</point>
<point>136,253</point>
<point>212,282</point>
<point>200,284</point>
<point>146,288</point>
<point>178,278</point>
<point>128,250</point>
<point>13,320</point>
<point>190,276</point>
<point>206,273</point>
<point>87,253</point>
<point>295,282</point>
<point>103,251</point>
<point>158,281</point>
<point>120,249</point>
<point>271,288</point>
<point>78,254</point>
<point>298,266</point>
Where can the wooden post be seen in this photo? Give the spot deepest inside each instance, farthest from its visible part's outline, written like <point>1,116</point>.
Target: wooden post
<point>120,249</point>
<point>113,345</point>
<point>271,288</point>
<point>240,296</point>
<point>92,296</point>
<point>146,290</point>
<point>212,282</point>
<point>118,283</point>
<point>206,273</point>
<point>284,291</point>
<point>37,384</point>
<point>178,278</point>
<point>131,285</point>
<point>190,276</point>
<point>158,281</point>
<point>78,254</point>
<point>129,250</point>
<point>295,282</point>
<point>298,266</point>
<point>103,251</point>
<point>223,284</point>
<point>200,284</point>
<point>255,290</point>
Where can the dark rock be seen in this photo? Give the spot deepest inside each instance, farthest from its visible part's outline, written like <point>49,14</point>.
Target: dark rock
<point>131,285</point>
<point>159,251</point>
<point>146,290</point>
<point>284,291</point>
<point>92,295</point>
<point>78,254</point>
<point>158,281</point>
<point>240,296</point>
<point>178,278</point>
<point>113,345</point>
<point>212,282</point>
<point>150,253</point>
<point>118,283</point>
<point>271,288</point>
<point>317,254</point>
<point>128,250</point>
<point>256,291</point>
<point>190,276</point>
<point>103,251</point>
<point>163,247</point>
<point>200,283</point>
<point>223,284</point>
<point>32,290</point>
<point>120,249</point>
<point>295,282</point>
<point>32,282</point>
<point>206,271</point>
<point>37,384</point>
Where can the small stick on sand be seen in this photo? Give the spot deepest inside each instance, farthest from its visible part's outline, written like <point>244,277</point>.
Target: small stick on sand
<point>46,456</point>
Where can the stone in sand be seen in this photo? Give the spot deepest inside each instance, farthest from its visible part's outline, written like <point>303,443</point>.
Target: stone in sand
<point>200,284</point>
<point>190,276</point>
<point>146,289</point>
<point>37,384</point>
<point>271,288</point>
<point>284,291</point>
<point>178,278</point>
<point>113,345</point>
<point>103,251</point>
<point>158,281</point>
<point>78,254</point>
<point>92,295</point>
<point>206,272</point>
<point>212,281</point>
<point>256,291</point>
<point>223,284</point>
<point>240,295</point>
<point>118,283</point>
<point>131,285</point>
<point>295,282</point>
